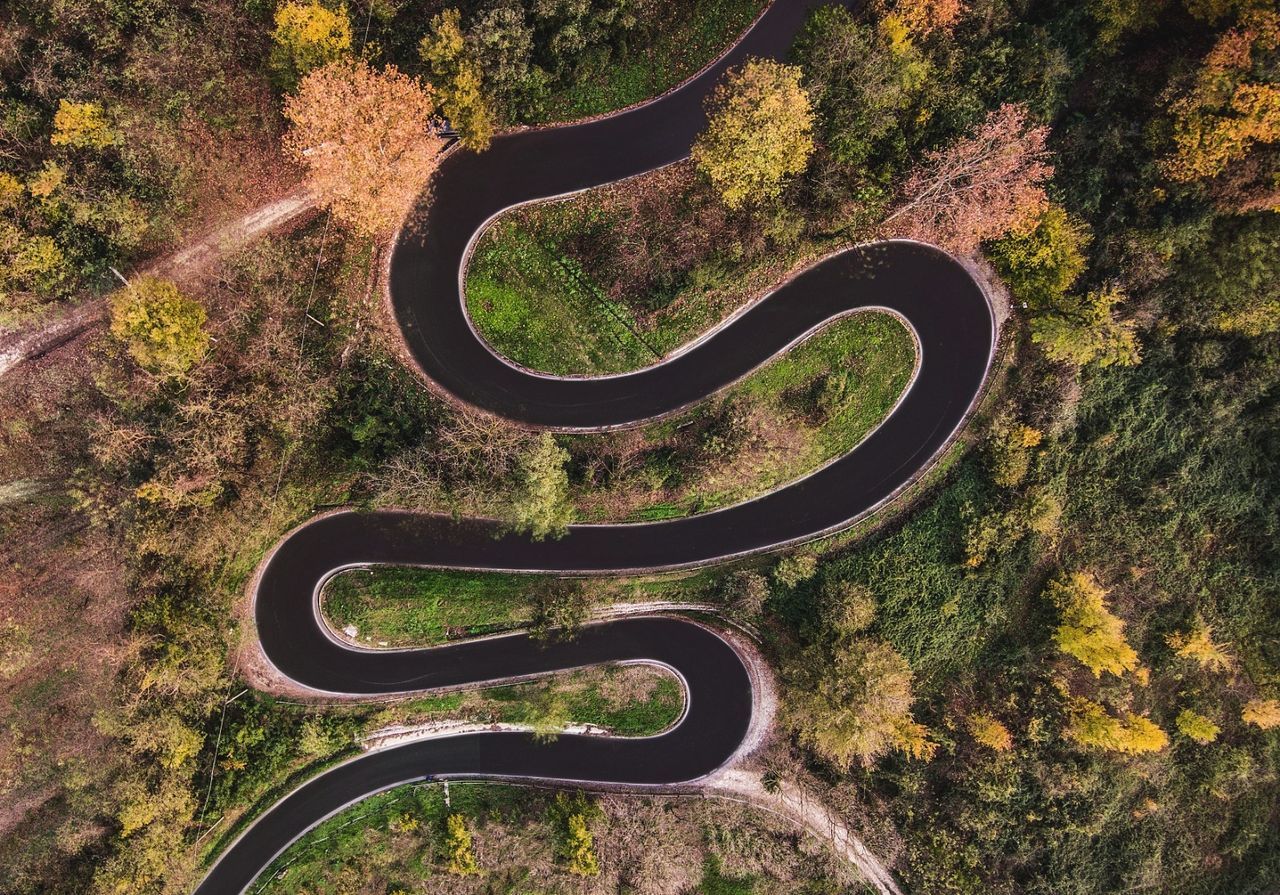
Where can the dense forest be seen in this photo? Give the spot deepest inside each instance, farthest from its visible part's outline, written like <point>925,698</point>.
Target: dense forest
<point>1053,667</point>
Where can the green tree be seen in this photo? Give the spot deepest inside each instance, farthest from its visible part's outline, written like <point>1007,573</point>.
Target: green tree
<point>457,845</point>
<point>1088,631</point>
<point>859,86</point>
<point>1085,330</point>
<point>308,35</point>
<point>1040,264</point>
<point>851,700</point>
<point>759,132</point>
<point>848,607</point>
<point>501,43</point>
<point>458,80</point>
<point>162,328</point>
<point>746,591</point>
<point>560,605</point>
<point>541,505</point>
<point>793,569</point>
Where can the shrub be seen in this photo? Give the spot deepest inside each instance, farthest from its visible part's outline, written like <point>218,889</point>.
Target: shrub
<point>457,843</point>
<point>791,570</point>
<point>162,328</point>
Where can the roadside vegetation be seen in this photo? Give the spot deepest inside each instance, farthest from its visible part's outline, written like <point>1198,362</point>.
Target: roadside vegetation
<point>1057,673</point>
<point>409,840</point>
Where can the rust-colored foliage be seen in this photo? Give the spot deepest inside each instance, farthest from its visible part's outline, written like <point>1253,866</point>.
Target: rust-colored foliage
<point>981,187</point>
<point>366,140</point>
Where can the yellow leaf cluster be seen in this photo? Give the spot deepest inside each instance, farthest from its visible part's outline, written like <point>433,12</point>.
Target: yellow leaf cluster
<point>1088,631</point>
<point>759,132</point>
<point>81,126</point>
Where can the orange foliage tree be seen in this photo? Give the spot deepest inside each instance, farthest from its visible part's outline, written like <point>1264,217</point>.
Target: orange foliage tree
<point>981,187</point>
<point>366,140</point>
<point>1233,104</point>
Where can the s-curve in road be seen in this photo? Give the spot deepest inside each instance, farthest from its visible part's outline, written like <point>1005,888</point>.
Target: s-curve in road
<point>933,294</point>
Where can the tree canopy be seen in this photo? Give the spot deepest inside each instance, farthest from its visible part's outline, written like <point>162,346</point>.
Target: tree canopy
<point>759,132</point>
<point>366,140</point>
<point>162,328</point>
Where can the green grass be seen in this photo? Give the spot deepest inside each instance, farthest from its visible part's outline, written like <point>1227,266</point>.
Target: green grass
<point>415,607</point>
<point>540,309</point>
<point>683,46</point>
<point>586,701</point>
<point>423,606</point>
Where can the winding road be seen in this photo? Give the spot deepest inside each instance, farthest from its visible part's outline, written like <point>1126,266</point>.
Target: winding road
<point>932,293</point>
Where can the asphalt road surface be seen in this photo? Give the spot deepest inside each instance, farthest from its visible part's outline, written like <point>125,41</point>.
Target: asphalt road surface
<point>931,292</point>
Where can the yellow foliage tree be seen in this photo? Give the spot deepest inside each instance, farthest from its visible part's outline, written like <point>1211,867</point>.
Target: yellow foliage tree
<point>162,328</point>
<point>365,139</point>
<point>308,35</point>
<point>1088,631</point>
<point>81,126</point>
<point>759,132</point>
<point>457,843</point>
<point>458,79</point>
<point>1197,727</point>
<point>987,730</point>
<point>1198,644</point>
<point>579,848</point>
<point>1090,725</point>
<point>1265,713</point>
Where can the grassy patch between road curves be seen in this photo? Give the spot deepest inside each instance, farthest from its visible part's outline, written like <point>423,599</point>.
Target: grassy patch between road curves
<point>397,607</point>
<point>392,606</point>
<point>790,417</point>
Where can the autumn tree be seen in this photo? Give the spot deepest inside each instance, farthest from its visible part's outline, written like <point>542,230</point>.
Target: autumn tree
<point>578,847</point>
<point>308,34</point>
<point>366,140</point>
<point>1088,631</point>
<point>851,700</point>
<point>1197,644</point>
<point>922,17</point>
<point>759,132</point>
<point>457,845</point>
<point>1012,446</point>
<point>1229,108</point>
<point>81,126</point>
<point>1264,713</point>
<point>1085,329</point>
<point>541,505</point>
<point>1197,727</point>
<point>1089,724</point>
<point>162,328</point>
<point>987,730</point>
<point>458,79</point>
<point>980,188</point>
<point>1041,263</point>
